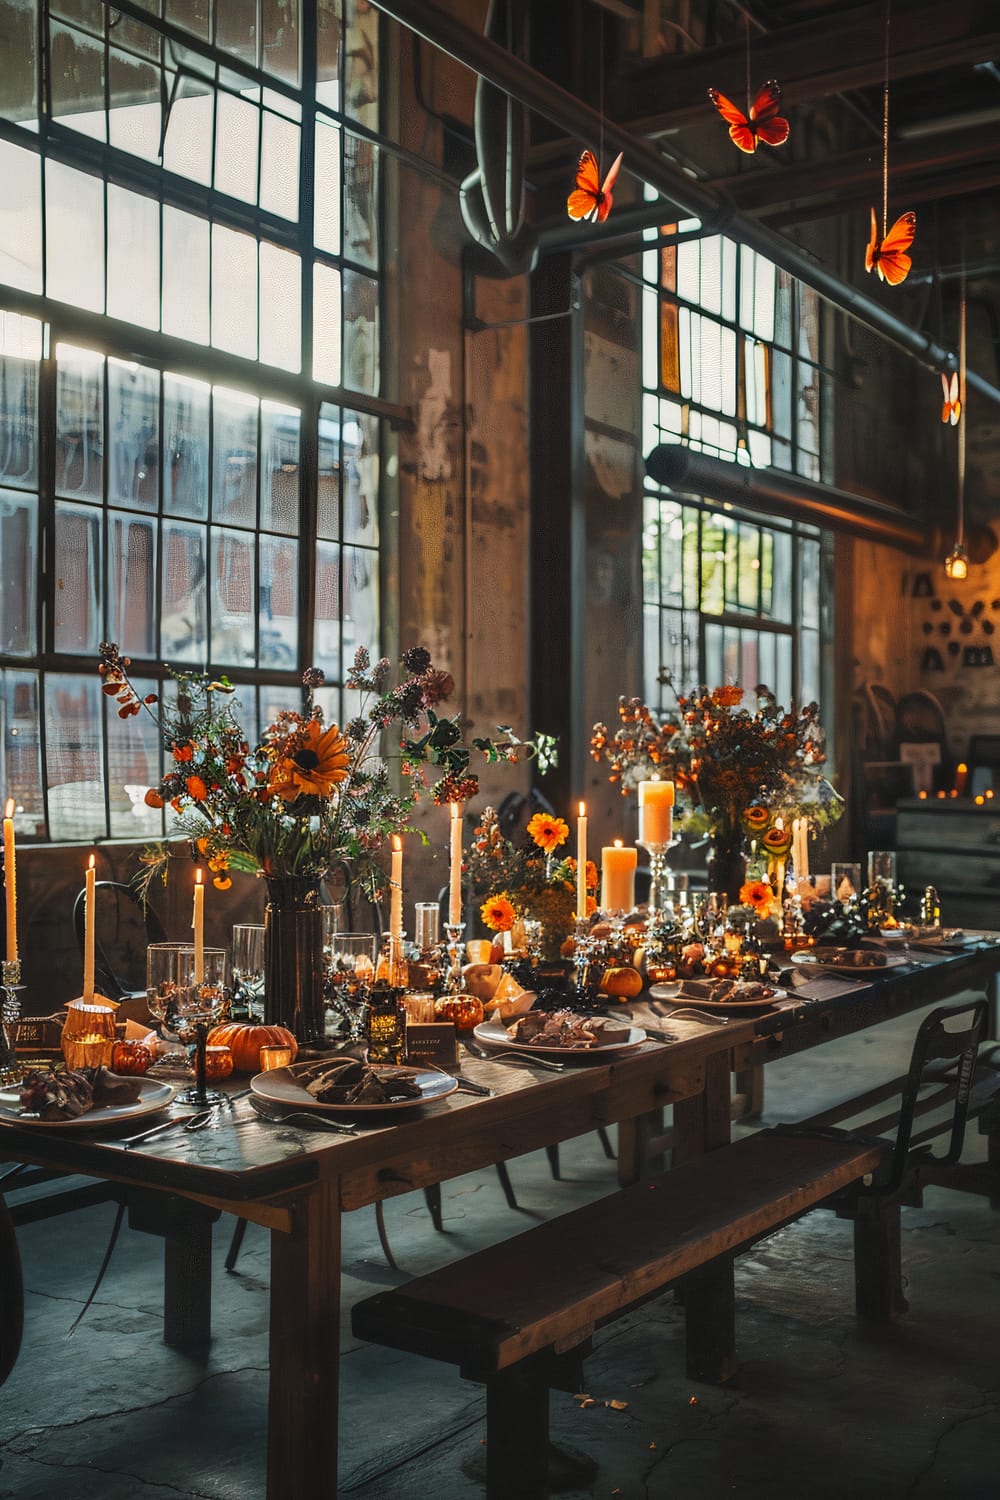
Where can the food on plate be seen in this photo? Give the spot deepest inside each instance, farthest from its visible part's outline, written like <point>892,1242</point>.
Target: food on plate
<point>69,1094</point>
<point>851,958</point>
<point>564,1028</point>
<point>740,989</point>
<point>621,982</point>
<point>350,1081</point>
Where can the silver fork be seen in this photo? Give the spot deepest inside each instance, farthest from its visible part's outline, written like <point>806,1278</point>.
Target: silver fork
<point>299,1119</point>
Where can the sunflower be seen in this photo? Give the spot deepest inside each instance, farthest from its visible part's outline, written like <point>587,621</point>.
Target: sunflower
<point>317,760</point>
<point>498,914</point>
<point>548,832</point>
<point>758,894</point>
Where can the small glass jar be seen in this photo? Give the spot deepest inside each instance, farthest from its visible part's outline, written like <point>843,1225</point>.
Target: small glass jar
<point>218,1064</point>
<point>385,1024</point>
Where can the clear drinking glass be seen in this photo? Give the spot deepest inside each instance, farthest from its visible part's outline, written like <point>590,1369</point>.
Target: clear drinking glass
<point>186,1004</point>
<point>248,967</point>
<point>350,976</point>
<point>845,882</point>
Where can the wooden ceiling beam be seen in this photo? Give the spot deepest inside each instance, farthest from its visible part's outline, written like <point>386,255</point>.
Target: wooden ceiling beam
<point>809,60</point>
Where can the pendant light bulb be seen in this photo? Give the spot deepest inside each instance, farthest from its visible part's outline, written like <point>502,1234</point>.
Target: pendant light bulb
<point>956,564</point>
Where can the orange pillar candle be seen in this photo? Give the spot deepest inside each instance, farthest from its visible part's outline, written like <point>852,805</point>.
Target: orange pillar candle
<point>961,777</point>
<point>656,812</point>
<point>10,881</point>
<point>618,866</point>
<point>396,888</point>
<point>455,873</point>
<point>89,920</point>
<point>581,862</point>
<point>198,923</point>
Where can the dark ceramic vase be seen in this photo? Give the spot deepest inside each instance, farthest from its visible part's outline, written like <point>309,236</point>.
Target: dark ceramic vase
<point>293,957</point>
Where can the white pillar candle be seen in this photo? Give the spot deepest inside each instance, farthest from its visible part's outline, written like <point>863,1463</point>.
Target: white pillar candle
<point>581,862</point>
<point>455,873</point>
<point>618,866</point>
<point>656,812</point>
<point>89,918</point>
<point>10,880</point>
<point>396,888</point>
<point>198,923</point>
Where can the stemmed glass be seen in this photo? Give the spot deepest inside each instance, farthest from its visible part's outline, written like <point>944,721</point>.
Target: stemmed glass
<point>350,976</point>
<point>186,1007</point>
<point>248,968</point>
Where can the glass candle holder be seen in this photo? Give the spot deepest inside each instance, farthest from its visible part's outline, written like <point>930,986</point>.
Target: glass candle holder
<point>274,1057</point>
<point>88,1037</point>
<point>427,928</point>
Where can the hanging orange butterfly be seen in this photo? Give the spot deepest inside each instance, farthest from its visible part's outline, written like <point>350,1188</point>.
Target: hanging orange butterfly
<point>591,198</point>
<point>762,124</point>
<point>951,410</point>
<point>888,257</point>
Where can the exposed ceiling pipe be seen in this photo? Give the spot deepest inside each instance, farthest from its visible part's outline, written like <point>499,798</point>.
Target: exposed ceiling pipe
<point>697,199</point>
<point>782,494</point>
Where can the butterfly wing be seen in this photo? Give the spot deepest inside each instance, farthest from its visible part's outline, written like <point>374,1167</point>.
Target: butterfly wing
<point>582,201</point>
<point>892,263</point>
<point>951,408</point>
<point>768,125</point>
<point>871,248</point>
<point>603,207</point>
<point>740,132</point>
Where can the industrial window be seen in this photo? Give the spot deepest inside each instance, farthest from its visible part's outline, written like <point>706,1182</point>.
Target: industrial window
<point>192,423</point>
<point>731,367</point>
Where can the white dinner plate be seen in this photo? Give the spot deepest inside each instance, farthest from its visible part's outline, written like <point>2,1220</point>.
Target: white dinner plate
<point>153,1096</point>
<point>280,1086</point>
<point>826,959</point>
<point>698,992</point>
<point>494,1034</point>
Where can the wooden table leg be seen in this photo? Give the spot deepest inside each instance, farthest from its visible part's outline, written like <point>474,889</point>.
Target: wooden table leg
<point>702,1124</point>
<point>635,1136</point>
<point>304,1350</point>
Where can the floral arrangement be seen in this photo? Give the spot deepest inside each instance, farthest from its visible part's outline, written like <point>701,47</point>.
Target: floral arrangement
<point>307,793</point>
<point>738,769</point>
<point>526,880</point>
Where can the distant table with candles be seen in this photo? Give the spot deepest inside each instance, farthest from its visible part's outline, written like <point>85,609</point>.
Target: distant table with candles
<point>298,1183</point>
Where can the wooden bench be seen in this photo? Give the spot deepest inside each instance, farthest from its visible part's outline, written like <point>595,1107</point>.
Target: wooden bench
<point>519,1315</point>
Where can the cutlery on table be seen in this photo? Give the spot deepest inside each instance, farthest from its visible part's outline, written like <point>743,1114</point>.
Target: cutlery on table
<point>186,1122</point>
<point>466,1086</point>
<point>298,1119</point>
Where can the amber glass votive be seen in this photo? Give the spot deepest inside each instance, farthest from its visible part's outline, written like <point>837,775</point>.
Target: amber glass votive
<point>219,1063</point>
<point>274,1057</point>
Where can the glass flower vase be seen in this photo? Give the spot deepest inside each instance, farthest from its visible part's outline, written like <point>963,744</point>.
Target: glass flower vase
<point>727,865</point>
<point>294,964</point>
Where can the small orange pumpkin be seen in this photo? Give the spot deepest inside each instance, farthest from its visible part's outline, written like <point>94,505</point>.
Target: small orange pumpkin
<point>130,1058</point>
<point>621,982</point>
<point>245,1039</point>
<point>464,1011</point>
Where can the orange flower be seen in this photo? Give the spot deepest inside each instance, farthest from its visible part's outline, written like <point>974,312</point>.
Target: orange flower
<point>153,798</point>
<point>756,818</point>
<point>548,832</point>
<point>196,788</point>
<point>728,696</point>
<point>591,876</point>
<point>317,762</point>
<point>183,752</point>
<point>222,882</point>
<point>758,894</point>
<point>498,914</point>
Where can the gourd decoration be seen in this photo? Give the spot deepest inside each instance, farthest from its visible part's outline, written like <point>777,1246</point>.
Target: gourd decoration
<point>130,1058</point>
<point>464,1011</point>
<point>245,1039</point>
<point>621,982</point>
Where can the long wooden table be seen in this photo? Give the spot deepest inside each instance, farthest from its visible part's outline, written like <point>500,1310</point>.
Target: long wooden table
<point>297,1183</point>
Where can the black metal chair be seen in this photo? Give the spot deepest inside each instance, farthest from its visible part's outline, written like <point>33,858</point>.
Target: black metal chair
<point>936,1089</point>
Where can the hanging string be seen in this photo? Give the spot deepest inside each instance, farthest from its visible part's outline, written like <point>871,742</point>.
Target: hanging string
<point>746,25</point>
<point>600,88</point>
<point>963,419</point>
<point>885,124</point>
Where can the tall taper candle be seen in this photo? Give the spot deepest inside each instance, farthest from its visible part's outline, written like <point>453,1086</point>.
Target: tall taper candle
<point>455,874</point>
<point>656,812</point>
<point>10,880</point>
<point>581,862</point>
<point>396,888</point>
<point>89,928</point>
<point>198,923</point>
<point>618,866</point>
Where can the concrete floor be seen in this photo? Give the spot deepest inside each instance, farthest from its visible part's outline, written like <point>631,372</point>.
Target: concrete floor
<point>820,1404</point>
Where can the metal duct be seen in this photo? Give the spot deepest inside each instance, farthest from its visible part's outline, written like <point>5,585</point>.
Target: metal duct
<point>777,493</point>
<point>699,199</point>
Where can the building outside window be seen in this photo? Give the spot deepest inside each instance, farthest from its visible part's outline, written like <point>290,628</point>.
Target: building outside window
<point>192,421</point>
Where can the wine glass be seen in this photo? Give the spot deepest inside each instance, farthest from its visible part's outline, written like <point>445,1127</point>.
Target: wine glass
<point>186,1003</point>
<point>350,976</point>
<point>248,967</point>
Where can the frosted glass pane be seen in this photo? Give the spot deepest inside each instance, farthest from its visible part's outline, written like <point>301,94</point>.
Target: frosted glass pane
<point>234,292</point>
<point>134,763</point>
<point>74,237</point>
<point>132,582</point>
<point>185,446</point>
<point>234,604</point>
<point>361,477</point>
<point>234,489</point>
<point>135,127</point>
<point>237,130</point>
<point>326,645</point>
<point>280,308</point>
<point>185,276</point>
<point>133,258</point>
<point>184,625</point>
<point>279,167</point>
<point>361,337</point>
<point>326,325</point>
<point>188,147</point>
<point>361,165</point>
<point>73,718</point>
<point>279,484</point>
<point>327,209</point>
<point>18,421</point>
<point>21,749</point>
<point>360,624</point>
<point>78,626</point>
<point>18,572</point>
<point>77,80</point>
<point>20,218</point>
<point>79,423</point>
<point>133,436</point>
<point>279,617</point>
<point>328,503</point>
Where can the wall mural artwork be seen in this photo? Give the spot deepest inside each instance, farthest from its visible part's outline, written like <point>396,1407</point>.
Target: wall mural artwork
<point>947,626</point>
